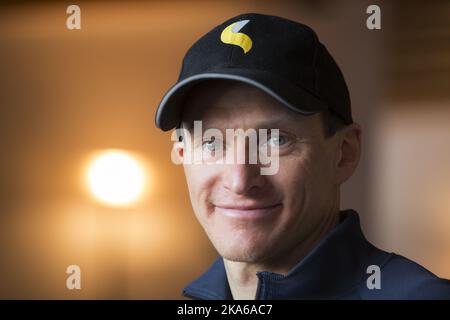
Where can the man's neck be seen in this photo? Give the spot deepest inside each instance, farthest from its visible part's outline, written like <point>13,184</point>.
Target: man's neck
<point>242,277</point>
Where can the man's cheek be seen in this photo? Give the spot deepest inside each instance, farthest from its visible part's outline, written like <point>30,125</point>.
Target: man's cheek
<point>201,183</point>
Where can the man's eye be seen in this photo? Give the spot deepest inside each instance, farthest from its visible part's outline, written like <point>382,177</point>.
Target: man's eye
<point>211,145</point>
<point>277,141</point>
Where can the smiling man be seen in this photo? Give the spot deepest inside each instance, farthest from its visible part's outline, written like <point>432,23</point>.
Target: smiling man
<point>280,235</point>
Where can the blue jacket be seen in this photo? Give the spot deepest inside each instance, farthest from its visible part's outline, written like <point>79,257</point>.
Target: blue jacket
<point>336,268</point>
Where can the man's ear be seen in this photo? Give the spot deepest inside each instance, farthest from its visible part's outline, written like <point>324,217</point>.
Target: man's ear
<point>348,153</point>
<point>178,152</point>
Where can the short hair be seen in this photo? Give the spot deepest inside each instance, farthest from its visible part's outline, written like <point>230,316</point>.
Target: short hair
<point>331,122</point>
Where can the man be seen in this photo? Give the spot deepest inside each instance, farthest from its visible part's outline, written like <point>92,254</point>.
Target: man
<point>280,235</point>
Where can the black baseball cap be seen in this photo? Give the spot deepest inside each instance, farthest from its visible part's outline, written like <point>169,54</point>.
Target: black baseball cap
<point>281,57</point>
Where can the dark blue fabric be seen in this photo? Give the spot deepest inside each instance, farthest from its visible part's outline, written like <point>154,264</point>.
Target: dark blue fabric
<point>336,268</point>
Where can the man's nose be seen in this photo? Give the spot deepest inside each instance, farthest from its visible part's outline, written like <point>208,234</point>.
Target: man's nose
<point>243,179</point>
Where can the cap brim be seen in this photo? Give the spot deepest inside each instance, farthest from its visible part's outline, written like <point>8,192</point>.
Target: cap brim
<point>293,97</point>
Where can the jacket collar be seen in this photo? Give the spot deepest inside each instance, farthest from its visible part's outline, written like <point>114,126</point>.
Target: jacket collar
<point>334,267</point>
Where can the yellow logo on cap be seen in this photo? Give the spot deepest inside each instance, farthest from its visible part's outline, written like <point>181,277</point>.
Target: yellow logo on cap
<point>231,35</point>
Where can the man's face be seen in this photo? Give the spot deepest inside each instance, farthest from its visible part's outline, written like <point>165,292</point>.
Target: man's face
<point>251,217</point>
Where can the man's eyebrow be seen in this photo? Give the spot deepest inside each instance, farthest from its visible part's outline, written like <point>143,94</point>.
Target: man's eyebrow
<point>276,123</point>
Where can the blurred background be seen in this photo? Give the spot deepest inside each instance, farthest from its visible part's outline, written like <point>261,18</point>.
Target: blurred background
<point>71,100</point>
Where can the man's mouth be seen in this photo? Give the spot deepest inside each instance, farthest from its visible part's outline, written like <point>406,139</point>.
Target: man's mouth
<point>248,212</point>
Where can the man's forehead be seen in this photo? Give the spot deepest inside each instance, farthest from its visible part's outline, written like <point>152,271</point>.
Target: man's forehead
<point>221,102</point>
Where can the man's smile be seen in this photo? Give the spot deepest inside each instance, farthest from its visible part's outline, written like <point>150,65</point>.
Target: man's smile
<point>250,212</point>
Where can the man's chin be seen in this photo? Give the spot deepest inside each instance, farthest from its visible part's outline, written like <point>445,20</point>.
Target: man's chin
<point>242,253</point>
<point>235,244</point>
